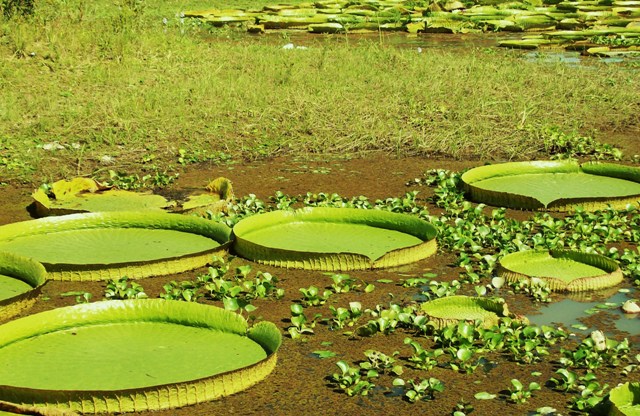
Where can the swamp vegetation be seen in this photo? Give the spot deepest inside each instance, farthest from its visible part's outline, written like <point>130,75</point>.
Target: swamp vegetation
<point>137,97</point>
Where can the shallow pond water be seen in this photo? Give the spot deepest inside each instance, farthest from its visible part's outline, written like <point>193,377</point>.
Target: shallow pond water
<point>422,43</point>
<point>582,315</point>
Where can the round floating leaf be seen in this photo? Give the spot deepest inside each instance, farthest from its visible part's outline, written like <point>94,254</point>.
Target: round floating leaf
<point>563,270</point>
<point>100,246</point>
<point>553,185</point>
<point>219,193</point>
<point>334,239</point>
<point>86,195</point>
<point>623,400</point>
<point>21,279</point>
<point>134,355</point>
<point>452,309</point>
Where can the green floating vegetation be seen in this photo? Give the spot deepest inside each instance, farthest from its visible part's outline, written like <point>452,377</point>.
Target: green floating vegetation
<point>144,355</point>
<point>109,245</point>
<point>578,22</point>
<point>453,309</point>
<point>562,270</point>
<point>554,185</point>
<point>80,195</point>
<point>334,239</point>
<point>21,279</point>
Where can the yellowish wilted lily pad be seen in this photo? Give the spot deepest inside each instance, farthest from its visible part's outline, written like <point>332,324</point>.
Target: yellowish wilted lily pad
<point>86,195</point>
<point>80,195</point>
<point>219,194</point>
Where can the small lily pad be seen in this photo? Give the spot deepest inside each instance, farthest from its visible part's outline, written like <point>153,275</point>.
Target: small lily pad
<point>452,309</point>
<point>483,395</point>
<point>562,270</point>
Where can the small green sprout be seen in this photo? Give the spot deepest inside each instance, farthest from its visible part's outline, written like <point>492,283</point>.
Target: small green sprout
<point>123,289</point>
<point>423,359</point>
<point>311,296</point>
<point>519,394</point>
<point>379,362</point>
<point>350,381</point>
<point>343,283</point>
<point>420,390</point>
<point>300,324</point>
<point>185,291</point>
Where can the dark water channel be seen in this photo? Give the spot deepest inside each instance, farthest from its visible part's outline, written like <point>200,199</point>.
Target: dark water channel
<point>422,43</point>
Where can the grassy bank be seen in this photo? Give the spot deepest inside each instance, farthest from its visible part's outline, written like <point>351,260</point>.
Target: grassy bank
<point>118,87</point>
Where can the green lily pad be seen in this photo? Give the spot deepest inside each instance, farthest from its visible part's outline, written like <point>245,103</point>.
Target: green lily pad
<point>219,194</point>
<point>623,400</point>
<point>21,279</point>
<point>452,309</point>
<point>334,239</point>
<point>100,246</point>
<point>86,195</point>
<point>563,270</point>
<point>553,185</point>
<point>144,355</point>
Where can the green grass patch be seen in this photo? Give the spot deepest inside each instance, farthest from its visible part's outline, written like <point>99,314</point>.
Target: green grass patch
<point>91,87</point>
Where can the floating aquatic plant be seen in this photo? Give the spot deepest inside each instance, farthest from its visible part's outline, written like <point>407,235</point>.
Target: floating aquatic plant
<point>334,239</point>
<point>21,280</point>
<point>562,270</point>
<point>101,246</point>
<point>131,343</point>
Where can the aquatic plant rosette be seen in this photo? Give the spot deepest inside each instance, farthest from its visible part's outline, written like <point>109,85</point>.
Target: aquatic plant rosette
<point>453,309</point>
<point>334,239</point>
<point>21,280</point>
<point>553,185</point>
<point>109,245</point>
<point>132,355</point>
<point>562,270</point>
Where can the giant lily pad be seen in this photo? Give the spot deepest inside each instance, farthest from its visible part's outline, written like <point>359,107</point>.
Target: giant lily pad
<point>21,279</point>
<point>219,192</point>
<point>100,246</point>
<point>80,195</point>
<point>334,239</point>
<point>623,400</point>
<point>554,185</point>
<point>452,309</point>
<point>134,355</point>
<point>86,195</point>
<point>563,270</point>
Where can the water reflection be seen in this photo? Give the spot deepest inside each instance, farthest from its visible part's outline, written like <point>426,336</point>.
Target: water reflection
<point>451,41</point>
<point>581,315</point>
